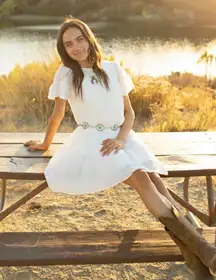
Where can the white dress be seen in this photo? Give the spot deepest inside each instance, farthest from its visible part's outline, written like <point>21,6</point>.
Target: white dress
<point>78,167</point>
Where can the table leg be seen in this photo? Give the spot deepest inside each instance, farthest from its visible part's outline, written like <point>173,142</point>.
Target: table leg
<point>189,215</point>
<point>202,216</point>
<point>2,195</point>
<point>213,217</point>
<point>210,193</point>
<point>22,201</point>
<point>211,203</point>
<point>185,188</point>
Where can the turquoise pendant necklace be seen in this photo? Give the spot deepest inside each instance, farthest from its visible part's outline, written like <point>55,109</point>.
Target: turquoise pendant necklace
<point>91,75</point>
<point>94,80</point>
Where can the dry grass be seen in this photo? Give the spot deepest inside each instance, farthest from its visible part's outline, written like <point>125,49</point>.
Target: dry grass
<point>174,103</point>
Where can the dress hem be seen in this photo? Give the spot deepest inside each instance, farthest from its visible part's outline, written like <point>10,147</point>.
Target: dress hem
<point>111,185</point>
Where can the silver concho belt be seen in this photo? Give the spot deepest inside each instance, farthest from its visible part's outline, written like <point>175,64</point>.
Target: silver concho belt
<point>99,127</point>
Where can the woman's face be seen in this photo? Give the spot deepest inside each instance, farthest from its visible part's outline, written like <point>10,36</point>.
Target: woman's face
<point>76,45</point>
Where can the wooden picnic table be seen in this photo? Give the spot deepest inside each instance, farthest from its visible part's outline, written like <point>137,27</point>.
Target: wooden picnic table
<point>185,154</point>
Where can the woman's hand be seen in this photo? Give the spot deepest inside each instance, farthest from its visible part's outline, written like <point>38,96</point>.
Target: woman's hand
<point>109,145</point>
<point>34,145</point>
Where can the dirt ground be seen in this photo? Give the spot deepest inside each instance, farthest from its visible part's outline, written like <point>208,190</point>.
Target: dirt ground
<point>116,208</point>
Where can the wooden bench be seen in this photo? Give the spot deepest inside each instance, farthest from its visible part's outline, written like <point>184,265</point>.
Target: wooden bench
<point>186,155</point>
<point>89,247</point>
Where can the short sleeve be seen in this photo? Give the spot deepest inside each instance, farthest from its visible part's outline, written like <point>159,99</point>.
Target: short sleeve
<point>126,83</point>
<point>62,84</point>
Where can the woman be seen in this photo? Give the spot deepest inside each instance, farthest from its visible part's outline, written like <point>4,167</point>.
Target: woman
<point>104,150</point>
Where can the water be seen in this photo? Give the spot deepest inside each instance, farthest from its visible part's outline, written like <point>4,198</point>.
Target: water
<point>151,51</point>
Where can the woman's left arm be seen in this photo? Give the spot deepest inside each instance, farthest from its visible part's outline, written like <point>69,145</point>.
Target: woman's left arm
<point>116,144</point>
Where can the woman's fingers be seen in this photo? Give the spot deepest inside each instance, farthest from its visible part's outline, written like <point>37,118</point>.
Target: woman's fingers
<point>117,150</point>
<point>31,143</point>
<point>39,147</point>
<point>106,151</point>
<point>33,148</point>
<point>106,141</point>
<point>109,145</point>
<point>109,149</point>
<point>106,146</point>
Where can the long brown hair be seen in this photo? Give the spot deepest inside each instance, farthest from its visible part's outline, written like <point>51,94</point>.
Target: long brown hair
<point>95,55</point>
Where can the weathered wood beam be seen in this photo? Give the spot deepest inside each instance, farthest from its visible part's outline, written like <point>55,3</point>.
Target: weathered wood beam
<point>89,247</point>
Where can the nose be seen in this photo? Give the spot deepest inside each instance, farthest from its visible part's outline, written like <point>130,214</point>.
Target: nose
<point>77,49</point>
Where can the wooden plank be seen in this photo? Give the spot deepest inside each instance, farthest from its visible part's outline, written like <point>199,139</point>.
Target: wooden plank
<point>23,168</point>
<point>18,150</point>
<point>21,137</point>
<point>37,163</point>
<point>189,159</point>
<point>171,174</point>
<point>23,165</point>
<point>148,137</point>
<point>89,247</point>
<point>182,148</point>
<point>179,166</point>
<point>198,136</point>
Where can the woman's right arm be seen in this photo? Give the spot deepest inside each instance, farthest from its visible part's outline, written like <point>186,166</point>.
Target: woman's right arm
<point>53,125</point>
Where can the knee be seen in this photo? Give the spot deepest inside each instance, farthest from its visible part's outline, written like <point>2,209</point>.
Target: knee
<point>154,176</point>
<point>139,179</point>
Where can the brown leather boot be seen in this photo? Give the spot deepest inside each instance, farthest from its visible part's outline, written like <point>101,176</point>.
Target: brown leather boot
<point>200,271</point>
<point>194,241</point>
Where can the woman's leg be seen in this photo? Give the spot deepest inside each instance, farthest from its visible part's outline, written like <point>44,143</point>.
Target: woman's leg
<point>158,182</point>
<point>168,215</point>
<point>156,203</point>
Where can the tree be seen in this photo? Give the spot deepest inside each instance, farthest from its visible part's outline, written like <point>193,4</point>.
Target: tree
<point>209,60</point>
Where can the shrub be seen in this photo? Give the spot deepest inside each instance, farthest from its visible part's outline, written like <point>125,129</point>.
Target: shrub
<point>159,103</point>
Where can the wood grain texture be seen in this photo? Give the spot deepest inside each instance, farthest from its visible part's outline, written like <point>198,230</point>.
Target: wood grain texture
<point>183,154</point>
<point>178,166</point>
<point>159,149</point>
<point>148,137</point>
<point>89,247</point>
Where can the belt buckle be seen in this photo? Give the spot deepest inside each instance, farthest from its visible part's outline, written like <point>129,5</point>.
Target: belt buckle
<point>100,127</point>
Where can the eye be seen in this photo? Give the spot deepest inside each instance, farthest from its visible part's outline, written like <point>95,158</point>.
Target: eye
<point>67,45</point>
<point>80,39</point>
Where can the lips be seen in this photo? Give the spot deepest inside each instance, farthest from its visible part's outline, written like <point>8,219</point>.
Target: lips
<point>78,53</point>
